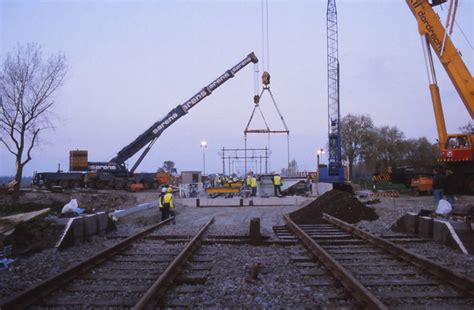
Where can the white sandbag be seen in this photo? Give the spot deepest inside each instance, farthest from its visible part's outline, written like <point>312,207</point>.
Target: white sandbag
<point>444,207</point>
<point>72,206</point>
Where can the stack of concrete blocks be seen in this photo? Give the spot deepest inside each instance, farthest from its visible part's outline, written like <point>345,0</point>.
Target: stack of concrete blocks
<point>440,230</point>
<point>83,228</point>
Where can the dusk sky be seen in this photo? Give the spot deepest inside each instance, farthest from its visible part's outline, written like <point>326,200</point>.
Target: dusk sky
<point>131,62</point>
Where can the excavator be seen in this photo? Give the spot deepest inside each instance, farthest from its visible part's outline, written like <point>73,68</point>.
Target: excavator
<point>456,149</point>
<point>114,173</point>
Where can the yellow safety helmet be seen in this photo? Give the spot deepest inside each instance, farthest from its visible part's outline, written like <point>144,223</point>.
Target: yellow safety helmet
<point>169,190</point>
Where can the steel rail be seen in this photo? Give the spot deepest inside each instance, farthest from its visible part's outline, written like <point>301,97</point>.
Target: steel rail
<point>151,298</point>
<point>35,293</point>
<point>456,279</point>
<point>357,289</point>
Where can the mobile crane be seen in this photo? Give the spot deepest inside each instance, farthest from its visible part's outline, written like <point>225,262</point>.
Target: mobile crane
<point>457,150</point>
<point>114,173</point>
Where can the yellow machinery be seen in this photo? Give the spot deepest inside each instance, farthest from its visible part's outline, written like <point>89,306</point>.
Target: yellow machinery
<point>456,149</point>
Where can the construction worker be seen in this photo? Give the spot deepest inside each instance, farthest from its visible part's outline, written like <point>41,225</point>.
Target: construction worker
<point>160,202</point>
<point>217,181</point>
<point>277,185</point>
<point>249,180</point>
<point>253,185</point>
<point>168,204</point>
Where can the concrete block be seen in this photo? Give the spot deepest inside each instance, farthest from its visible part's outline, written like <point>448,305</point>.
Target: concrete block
<point>77,227</point>
<point>411,223</point>
<point>73,233</point>
<point>406,224</point>
<point>102,221</point>
<point>443,232</point>
<point>90,225</point>
<point>440,231</point>
<point>425,227</point>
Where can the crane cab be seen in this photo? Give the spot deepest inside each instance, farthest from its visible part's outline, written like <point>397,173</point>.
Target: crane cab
<point>458,147</point>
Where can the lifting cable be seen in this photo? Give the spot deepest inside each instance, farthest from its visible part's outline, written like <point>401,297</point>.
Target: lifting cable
<point>265,82</point>
<point>450,22</point>
<point>453,6</point>
<point>265,37</point>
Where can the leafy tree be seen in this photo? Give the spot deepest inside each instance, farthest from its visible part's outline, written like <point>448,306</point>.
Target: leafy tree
<point>27,85</point>
<point>169,167</point>
<point>391,140</point>
<point>420,153</point>
<point>355,137</point>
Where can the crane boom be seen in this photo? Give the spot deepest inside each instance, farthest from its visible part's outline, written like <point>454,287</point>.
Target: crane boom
<point>457,150</point>
<point>152,133</point>
<point>334,114</point>
<point>334,171</point>
<point>430,26</point>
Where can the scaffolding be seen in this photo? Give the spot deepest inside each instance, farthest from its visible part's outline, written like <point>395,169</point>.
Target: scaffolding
<point>259,159</point>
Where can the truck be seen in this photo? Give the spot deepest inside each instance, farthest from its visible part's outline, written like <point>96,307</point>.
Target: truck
<point>114,173</point>
<point>456,149</point>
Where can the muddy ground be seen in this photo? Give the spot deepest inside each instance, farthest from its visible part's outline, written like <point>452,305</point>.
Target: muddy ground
<point>40,233</point>
<point>105,200</point>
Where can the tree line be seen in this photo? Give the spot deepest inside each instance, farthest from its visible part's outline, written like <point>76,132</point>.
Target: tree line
<point>369,149</point>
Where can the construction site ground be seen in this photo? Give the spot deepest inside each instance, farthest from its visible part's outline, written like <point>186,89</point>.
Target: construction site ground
<point>32,268</point>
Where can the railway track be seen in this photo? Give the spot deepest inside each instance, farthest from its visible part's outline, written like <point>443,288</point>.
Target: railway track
<point>380,274</point>
<point>136,273</point>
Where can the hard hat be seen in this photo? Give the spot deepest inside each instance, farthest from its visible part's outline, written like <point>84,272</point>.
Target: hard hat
<point>170,190</point>
<point>163,190</point>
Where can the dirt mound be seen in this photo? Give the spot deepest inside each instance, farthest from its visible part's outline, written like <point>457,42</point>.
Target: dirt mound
<point>337,203</point>
<point>33,236</point>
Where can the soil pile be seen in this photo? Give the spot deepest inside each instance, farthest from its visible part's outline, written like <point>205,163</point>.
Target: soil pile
<point>33,236</point>
<point>337,203</point>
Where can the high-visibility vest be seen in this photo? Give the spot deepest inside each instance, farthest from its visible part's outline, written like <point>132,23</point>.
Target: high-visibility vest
<point>253,182</point>
<point>249,179</point>
<point>161,201</point>
<point>168,199</point>
<point>277,180</point>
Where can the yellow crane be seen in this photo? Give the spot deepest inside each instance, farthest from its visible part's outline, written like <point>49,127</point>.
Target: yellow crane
<point>456,149</point>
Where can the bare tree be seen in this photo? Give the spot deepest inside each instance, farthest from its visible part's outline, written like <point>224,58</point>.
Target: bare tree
<point>469,128</point>
<point>27,85</point>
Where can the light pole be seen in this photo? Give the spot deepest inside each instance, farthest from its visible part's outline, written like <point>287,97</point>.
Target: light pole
<point>203,146</point>
<point>320,152</point>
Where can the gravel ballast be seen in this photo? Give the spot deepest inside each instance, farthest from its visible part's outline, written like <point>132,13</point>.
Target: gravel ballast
<point>283,286</point>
